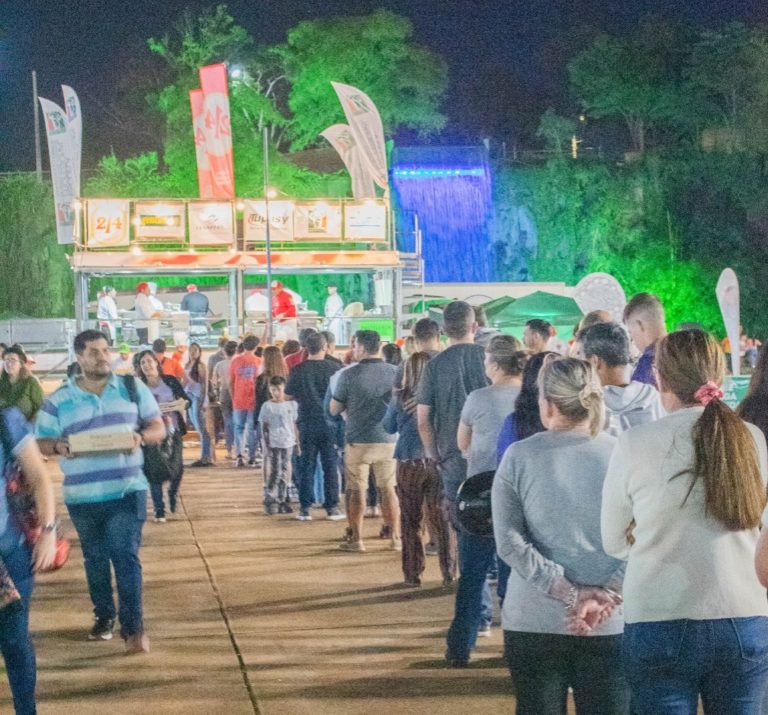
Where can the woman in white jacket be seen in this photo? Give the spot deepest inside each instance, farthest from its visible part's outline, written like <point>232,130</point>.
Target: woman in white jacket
<point>682,503</point>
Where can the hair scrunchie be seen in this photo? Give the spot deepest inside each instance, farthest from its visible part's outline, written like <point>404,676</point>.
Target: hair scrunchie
<point>708,392</point>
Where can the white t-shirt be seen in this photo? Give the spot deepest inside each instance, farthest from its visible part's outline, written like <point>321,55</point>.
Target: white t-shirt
<point>683,564</point>
<point>280,417</point>
<point>144,309</point>
<point>257,303</point>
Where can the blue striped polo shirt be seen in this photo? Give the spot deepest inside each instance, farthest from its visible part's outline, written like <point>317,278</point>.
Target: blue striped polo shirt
<point>71,410</point>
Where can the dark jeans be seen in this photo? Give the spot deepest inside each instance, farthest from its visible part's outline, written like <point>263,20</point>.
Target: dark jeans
<point>669,663</point>
<point>474,606</point>
<point>110,533</point>
<point>143,335</point>
<point>15,642</point>
<point>544,665</point>
<point>314,442</point>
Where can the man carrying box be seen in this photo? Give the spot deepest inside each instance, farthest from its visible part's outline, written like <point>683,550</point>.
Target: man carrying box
<point>105,489</point>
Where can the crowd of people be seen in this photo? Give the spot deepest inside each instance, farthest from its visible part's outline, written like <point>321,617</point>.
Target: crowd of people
<point>626,498</point>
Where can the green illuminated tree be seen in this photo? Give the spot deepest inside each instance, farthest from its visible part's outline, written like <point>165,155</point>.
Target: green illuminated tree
<point>376,53</point>
<point>556,131</point>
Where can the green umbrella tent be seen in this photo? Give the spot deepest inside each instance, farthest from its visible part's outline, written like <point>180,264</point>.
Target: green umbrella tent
<point>559,310</point>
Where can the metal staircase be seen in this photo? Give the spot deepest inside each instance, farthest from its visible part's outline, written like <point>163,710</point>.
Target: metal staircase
<point>409,244</point>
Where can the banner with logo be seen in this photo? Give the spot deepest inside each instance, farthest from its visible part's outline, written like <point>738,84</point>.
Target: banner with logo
<point>75,122</point>
<point>204,180</point>
<point>159,220</point>
<point>255,221</point>
<point>365,220</point>
<point>341,139</point>
<point>728,298</point>
<point>211,223</point>
<point>218,130</point>
<point>317,220</point>
<point>365,123</point>
<point>107,223</point>
<point>63,168</point>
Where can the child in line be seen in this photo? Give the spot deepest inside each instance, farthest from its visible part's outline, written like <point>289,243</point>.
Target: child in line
<point>277,418</point>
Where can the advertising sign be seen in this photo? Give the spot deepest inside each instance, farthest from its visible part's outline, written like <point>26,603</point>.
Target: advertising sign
<point>218,130</point>
<point>63,169</point>
<point>211,223</point>
<point>365,220</point>
<point>280,221</point>
<point>735,389</point>
<point>107,223</point>
<point>343,141</point>
<point>159,220</point>
<point>317,220</point>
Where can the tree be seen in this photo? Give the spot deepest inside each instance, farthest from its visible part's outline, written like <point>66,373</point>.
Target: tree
<point>375,53</point>
<point>727,71</point>
<point>637,79</point>
<point>556,131</point>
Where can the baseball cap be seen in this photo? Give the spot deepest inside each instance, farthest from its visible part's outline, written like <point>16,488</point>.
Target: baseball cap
<point>124,348</point>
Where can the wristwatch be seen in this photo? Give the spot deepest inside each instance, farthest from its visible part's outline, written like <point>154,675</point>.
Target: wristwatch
<point>49,526</point>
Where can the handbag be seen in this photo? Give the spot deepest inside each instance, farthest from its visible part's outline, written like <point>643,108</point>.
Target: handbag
<point>21,502</point>
<point>160,460</point>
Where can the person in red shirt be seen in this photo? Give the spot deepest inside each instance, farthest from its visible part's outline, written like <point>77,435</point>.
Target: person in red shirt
<point>299,357</point>
<point>168,365</point>
<point>284,311</point>
<point>243,371</point>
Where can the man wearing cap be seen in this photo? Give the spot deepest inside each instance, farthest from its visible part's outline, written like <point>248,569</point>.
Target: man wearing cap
<point>123,363</point>
<point>146,314</point>
<point>196,304</point>
<point>106,312</point>
<point>334,312</point>
<point>284,310</point>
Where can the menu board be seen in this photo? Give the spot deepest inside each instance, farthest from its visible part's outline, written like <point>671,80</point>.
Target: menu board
<point>159,220</point>
<point>107,223</point>
<point>211,223</point>
<point>365,220</point>
<point>255,220</point>
<point>317,220</point>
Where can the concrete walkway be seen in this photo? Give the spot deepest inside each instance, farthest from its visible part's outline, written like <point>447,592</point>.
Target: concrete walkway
<point>256,614</point>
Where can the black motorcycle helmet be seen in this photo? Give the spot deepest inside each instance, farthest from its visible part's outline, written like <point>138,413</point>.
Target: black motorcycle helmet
<point>473,504</point>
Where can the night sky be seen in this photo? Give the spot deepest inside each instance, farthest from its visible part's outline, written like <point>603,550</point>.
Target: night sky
<point>507,52</point>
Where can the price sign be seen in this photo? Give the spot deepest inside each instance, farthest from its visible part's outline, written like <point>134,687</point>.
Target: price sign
<point>107,223</point>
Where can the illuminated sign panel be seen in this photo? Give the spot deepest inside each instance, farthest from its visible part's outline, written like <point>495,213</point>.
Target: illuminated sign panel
<point>159,220</point>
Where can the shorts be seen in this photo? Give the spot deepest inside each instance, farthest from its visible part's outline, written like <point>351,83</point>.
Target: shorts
<point>360,457</point>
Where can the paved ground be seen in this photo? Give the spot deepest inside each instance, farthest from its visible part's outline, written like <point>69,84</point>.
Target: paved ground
<point>256,614</point>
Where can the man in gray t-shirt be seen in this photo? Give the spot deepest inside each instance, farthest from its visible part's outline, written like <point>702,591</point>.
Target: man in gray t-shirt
<point>447,380</point>
<point>363,392</point>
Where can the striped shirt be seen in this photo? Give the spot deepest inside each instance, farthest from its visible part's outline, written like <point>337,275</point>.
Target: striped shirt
<point>72,410</point>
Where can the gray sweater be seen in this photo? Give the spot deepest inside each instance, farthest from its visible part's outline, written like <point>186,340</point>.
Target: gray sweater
<point>546,519</point>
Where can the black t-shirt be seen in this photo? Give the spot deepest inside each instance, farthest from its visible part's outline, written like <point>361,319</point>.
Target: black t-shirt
<point>307,384</point>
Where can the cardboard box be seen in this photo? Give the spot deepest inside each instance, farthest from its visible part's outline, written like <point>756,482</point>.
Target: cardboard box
<point>175,406</point>
<point>97,441</point>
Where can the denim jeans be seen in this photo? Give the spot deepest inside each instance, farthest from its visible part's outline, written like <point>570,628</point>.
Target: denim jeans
<point>244,430</point>
<point>226,416</point>
<point>110,532</point>
<point>156,492</point>
<point>316,442</point>
<point>15,642</point>
<point>198,413</point>
<point>544,665</point>
<point>474,606</point>
<point>670,663</point>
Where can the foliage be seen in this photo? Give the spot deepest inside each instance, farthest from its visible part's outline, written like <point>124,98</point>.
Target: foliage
<point>592,217</point>
<point>35,278</point>
<point>556,131</point>
<point>375,53</point>
<point>634,78</point>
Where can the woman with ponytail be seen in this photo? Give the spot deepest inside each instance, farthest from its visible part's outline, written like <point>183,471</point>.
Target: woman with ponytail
<point>562,586</point>
<point>682,503</point>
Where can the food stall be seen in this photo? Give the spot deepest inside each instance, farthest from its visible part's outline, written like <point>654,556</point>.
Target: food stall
<point>143,238</point>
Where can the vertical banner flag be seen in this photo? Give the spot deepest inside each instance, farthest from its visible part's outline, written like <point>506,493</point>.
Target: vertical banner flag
<point>62,161</point>
<point>75,122</point>
<point>218,130</point>
<point>204,181</point>
<point>365,123</point>
<point>728,297</point>
<point>340,137</point>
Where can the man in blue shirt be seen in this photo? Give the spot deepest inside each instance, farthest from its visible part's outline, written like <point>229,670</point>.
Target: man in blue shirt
<point>644,318</point>
<point>105,492</point>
